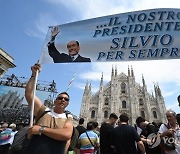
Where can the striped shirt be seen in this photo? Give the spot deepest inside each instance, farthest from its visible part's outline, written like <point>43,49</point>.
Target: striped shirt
<point>84,141</point>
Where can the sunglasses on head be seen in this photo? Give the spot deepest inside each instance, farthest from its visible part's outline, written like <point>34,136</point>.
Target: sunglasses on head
<point>60,98</point>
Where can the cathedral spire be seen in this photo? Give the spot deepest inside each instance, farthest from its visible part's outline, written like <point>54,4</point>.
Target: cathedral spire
<point>90,87</point>
<point>132,72</point>
<point>143,81</point>
<point>152,95</point>
<point>116,70</point>
<point>112,73</point>
<point>86,88</point>
<point>129,71</point>
<point>101,84</point>
<point>159,90</point>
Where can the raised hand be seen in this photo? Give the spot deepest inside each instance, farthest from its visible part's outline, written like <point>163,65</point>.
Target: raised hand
<point>55,30</point>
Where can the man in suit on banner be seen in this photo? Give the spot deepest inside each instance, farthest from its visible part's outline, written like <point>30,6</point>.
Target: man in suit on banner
<point>73,49</point>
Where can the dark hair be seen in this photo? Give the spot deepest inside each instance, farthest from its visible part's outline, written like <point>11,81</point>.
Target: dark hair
<point>178,118</point>
<point>139,120</point>
<point>113,115</point>
<point>81,121</point>
<point>65,94</point>
<point>90,125</point>
<point>74,41</point>
<point>77,43</point>
<point>95,124</point>
<point>123,118</point>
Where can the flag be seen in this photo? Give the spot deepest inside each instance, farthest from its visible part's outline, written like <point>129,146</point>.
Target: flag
<point>140,35</point>
<point>70,83</point>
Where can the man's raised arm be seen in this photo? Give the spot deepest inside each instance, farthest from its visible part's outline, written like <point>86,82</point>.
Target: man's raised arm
<point>30,89</point>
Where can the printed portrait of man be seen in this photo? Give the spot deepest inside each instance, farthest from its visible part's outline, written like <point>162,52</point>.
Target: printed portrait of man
<point>73,48</point>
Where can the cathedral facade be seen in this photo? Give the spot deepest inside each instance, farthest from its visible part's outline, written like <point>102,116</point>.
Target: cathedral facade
<point>123,95</point>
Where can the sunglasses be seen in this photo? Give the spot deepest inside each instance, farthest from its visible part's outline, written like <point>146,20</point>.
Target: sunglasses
<point>60,98</point>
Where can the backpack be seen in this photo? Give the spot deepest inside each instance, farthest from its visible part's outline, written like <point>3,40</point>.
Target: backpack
<point>74,137</point>
<point>21,140</point>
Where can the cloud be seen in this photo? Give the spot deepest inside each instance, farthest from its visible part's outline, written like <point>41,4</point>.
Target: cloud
<point>168,93</point>
<point>94,88</point>
<point>84,9</point>
<point>91,9</point>
<point>162,72</point>
<point>173,106</point>
<point>40,26</point>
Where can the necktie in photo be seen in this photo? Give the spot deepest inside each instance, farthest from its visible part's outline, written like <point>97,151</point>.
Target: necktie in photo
<point>72,58</point>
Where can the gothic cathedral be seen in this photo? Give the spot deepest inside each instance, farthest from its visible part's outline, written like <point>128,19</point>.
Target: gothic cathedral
<point>123,95</point>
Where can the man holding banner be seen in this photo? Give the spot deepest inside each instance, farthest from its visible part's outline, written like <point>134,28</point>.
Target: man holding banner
<point>52,132</point>
<point>73,49</point>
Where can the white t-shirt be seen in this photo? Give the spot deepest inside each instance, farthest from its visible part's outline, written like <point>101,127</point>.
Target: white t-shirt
<point>162,129</point>
<point>6,136</point>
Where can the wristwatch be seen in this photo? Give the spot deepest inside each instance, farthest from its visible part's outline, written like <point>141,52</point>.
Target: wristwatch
<point>41,130</point>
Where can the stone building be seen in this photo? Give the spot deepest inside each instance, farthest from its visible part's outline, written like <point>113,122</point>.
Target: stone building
<point>6,62</point>
<point>123,95</point>
<point>11,99</point>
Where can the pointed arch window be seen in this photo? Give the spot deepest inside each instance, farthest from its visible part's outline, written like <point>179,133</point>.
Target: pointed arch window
<point>123,104</point>
<point>106,101</point>
<point>123,88</point>
<point>143,114</point>
<point>105,114</point>
<point>141,102</point>
<point>92,114</point>
<point>155,114</point>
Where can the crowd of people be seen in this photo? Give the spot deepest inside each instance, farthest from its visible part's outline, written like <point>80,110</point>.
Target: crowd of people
<point>114,136</point>
<point>53,129</point>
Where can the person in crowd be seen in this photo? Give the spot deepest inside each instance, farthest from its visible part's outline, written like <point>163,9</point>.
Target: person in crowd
<point>96,130</point>
<point>178,118</point>
<point>73,49</point>
<point>178,98</point>
<point>54,129</point>
<point>124,137</point>
<point>105,134</point>
<point>13,127</point>
<point>89,141</point>
<point>169,132</point>
<point>81,129</point>
<point>148,129</point>
<point>6,138</point>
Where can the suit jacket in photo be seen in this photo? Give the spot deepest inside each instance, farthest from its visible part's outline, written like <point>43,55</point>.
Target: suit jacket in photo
<point>62,57</point>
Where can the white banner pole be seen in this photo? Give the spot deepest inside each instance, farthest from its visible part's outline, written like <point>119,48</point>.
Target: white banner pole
<point>32,104</point>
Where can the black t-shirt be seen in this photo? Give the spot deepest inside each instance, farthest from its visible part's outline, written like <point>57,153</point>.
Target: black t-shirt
<point>124,138</point>
<point>44,145</point>
<point>105,138</point>
<point>150,128</point>
<point>80,129</point>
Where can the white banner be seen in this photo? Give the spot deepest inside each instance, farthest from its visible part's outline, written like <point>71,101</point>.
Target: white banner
<point>141,35</point>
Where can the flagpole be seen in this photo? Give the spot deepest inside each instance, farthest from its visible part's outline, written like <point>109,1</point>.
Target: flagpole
<point>32,104</point>
<point>70,82</point>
